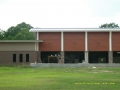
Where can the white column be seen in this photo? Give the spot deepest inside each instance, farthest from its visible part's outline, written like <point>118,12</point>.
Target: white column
<point>86,47</point>
<point>37,44</point>
<point>110,53</point>
<point>62,47</point>
<point>37,35</point>
<point>86,41</point>
<point>110,41</point>
<point>62,42</point>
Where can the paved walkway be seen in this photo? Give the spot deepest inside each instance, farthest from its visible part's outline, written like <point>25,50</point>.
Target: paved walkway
<point>73,65</point>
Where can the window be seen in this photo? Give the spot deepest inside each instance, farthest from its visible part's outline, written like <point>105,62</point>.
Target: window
<point>14,57</point>
<point>27,57</point>
<point>21,58</point>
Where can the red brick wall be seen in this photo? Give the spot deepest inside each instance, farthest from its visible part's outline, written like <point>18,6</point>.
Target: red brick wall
<point>98,41</point>
<point>116,41</point>
<point>52,41</point>
<point>74,41</point>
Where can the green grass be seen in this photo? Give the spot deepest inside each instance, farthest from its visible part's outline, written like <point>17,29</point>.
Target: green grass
<point>28,78</point>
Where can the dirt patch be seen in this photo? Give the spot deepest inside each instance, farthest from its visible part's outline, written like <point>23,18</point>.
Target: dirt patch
<point>105,71</point>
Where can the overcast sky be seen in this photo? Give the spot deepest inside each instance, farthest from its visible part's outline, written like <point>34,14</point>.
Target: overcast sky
<point>59,13</point>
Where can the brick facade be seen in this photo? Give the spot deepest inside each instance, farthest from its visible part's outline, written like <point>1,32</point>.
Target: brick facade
<point>98,41</point>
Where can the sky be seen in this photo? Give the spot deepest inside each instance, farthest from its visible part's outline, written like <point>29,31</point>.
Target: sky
<point>59,13</point>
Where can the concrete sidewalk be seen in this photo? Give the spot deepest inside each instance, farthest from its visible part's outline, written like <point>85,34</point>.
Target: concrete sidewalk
<point>73,65</point>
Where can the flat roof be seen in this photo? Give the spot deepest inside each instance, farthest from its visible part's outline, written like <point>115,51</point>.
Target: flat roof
<point>21,41</point>
<point>75,30</point>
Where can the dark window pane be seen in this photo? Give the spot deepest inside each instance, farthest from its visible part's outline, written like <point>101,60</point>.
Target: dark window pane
<point>14,57</point>
<point>27,57</point>
<point>21,58</point>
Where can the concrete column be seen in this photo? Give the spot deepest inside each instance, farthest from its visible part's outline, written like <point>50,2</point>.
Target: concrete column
<point>62,56</point>
<point>110,57</point>
<point>86,56</point>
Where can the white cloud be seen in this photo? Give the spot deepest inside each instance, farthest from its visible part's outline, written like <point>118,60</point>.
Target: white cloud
<point>58,13</point>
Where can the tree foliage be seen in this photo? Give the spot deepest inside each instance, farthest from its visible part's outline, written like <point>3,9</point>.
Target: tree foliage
<point>110,25</point>
<point>24,35</point>
<point>1,34</point>
<point>19,32</point>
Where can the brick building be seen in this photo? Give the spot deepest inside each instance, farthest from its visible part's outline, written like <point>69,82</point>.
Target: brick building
<point>71,45</point>
<point>75,45</point>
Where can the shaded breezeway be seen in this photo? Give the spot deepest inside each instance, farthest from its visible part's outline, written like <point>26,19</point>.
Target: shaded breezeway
<point>98,57</point>
<point>74,57</point>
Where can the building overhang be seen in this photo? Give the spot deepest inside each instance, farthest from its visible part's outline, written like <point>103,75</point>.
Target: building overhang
<point>21,41</point>
<point>75,30</point>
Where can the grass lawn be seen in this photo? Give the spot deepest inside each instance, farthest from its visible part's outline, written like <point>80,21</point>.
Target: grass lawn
<point>86,78</point>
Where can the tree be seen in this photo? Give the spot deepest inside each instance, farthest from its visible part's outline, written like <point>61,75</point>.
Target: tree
<point>24,35</point>
<point>110,25</point>
<point>1,34</point>
<point>19,32</point>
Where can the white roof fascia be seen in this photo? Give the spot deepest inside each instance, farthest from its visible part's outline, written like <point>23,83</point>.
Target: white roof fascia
<point>75,29</point>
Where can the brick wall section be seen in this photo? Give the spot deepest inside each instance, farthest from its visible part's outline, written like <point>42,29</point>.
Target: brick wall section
<point>52,41</point>
<point>6,57</point>
<point>74,41</point>
<point>116,41</point>
<point>98,41</point>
